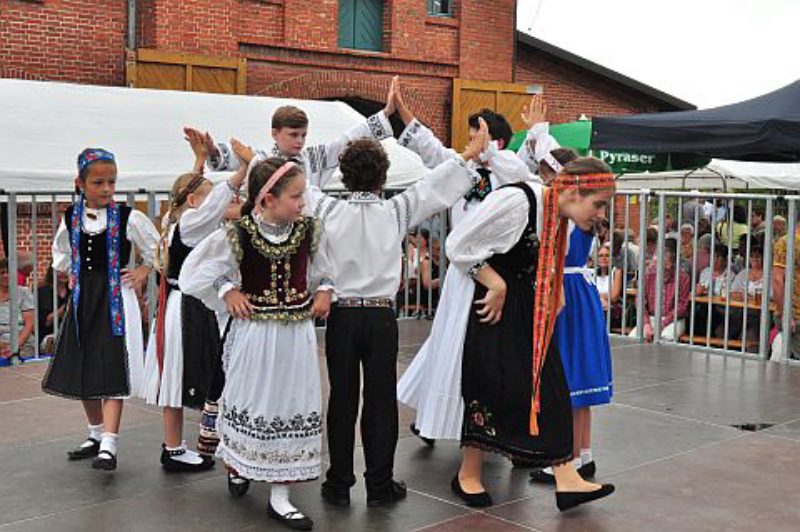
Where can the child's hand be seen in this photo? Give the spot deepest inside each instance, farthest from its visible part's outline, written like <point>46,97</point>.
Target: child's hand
<point>238,305</point>
<point>479,143</point>
<point>136,278</point>
<point>201,143</point>
<point>535,112</point>
<point>391,97</point>
<point>244,153</point>
<point>322,304</point>
<point>493,302</point>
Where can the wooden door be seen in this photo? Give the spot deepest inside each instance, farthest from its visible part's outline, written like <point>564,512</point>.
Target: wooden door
<point>154,69</point>
<point>469,97</point>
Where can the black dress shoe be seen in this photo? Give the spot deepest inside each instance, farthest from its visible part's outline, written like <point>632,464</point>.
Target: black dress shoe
<point>335,497</point>
<point>543,477</point>
<point>587,470</point>
<point>170,464</point>
<point>473,500</point>
<point>82,452</point>
<point>237,486</point>
<point>566,500</point>
<point>430,442</point>
<point>105,461</point>
<point>293,520</point>
<point>395,492</point>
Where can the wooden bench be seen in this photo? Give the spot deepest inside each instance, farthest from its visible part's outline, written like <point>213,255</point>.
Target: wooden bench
<point>702,341</point>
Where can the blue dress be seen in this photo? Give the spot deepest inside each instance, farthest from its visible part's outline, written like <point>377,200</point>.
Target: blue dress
<point>580,331</point>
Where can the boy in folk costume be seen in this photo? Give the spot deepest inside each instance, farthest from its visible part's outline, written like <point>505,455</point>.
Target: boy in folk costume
<point>365,235</point>
<point>289,132</point>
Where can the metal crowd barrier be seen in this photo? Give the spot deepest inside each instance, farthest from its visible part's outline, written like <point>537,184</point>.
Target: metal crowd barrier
<point>415,300</point>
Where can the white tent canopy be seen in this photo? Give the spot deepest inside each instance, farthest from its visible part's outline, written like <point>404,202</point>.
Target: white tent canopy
<point>44,125</point>
<point>719,174</point>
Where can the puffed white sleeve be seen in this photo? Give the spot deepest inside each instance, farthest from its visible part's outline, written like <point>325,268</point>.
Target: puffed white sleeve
<point>439,189</point>
<point>144,235</point>
<point>508,168</point>
<point>494,227</point>
<point>211,270</point>
<point>196,224</point>
<point>321,271</point>
<point>538,142</point>
<point>62,252</point>
<point>323,159</point>
<point>421,140</point>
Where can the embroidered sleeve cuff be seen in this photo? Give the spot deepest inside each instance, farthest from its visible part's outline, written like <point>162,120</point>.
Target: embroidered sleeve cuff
<point>408,137</point>
<point>472,174</point>
<point>379,126</point>
<point>223,285</point>
<point>325,285</point>
<point>219,161</point>
<point>473,271</point>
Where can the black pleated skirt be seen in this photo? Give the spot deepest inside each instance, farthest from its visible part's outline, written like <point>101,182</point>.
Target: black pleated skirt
<point>497,385</point>
<point>91,363</point>
<point>201,350</point>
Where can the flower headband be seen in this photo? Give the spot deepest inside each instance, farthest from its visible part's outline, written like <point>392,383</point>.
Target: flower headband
<point>90,156</point>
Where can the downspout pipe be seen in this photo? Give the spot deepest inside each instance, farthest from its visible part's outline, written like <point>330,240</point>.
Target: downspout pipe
<point>131,24</point>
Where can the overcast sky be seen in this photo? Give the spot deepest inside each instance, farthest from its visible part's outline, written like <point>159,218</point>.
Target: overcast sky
<point>707,52</point>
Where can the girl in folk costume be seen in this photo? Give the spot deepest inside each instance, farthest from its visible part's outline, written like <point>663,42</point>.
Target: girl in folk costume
<point>516,398</point>
<point>266,269</point>
<point>186,339</point>
<point>583,344</point>
<point>99,354</point>
<point>441,353</point>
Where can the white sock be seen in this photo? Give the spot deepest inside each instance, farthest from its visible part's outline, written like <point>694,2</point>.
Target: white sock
<point>95,433</point>
<point>548,471</point>
<point>586,456</point>
<point>279,499</point>
<point>576,463</point>
<point>187,457</point>
<point>109,443</point>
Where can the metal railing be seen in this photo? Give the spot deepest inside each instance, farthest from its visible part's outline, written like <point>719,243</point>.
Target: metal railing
<point>417,298</point>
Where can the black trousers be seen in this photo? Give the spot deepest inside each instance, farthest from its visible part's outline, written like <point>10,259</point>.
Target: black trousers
<point>359,337</point>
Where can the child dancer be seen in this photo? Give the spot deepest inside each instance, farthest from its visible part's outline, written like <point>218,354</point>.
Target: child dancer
<point>517,235</point>
<point>186,339</point>
<point>99,356</point>
<point>266,267</point>
<point>585,351</point>
<point>289,131</point>
<point>366,234</point>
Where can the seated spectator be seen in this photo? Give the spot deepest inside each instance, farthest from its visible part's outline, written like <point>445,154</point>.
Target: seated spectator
<point>603,274</point>
<point>778,227</point>
<point>758,224</point>
<point>651,242</point>
<point>603,231</point>
<point>46,317</point>
<point>623,262</point>
<point>748,284</point>
<point>703,227</point>
<point>24,318</point>
<point>738,228</point>
<point>24,267</point>
<point>673,319</point>
<point>714,281</point>
<point>778,282</point>
<point>429,272</point>
<point>703,255</point>
<point>687,242</point>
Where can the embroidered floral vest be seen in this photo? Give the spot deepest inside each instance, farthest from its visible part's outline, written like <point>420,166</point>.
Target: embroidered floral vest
<point>274,276</point>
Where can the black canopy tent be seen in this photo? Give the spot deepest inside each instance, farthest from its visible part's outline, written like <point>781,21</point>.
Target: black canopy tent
<point>766,128</point>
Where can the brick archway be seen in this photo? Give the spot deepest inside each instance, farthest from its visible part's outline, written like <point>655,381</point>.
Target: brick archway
<point>333,84</point>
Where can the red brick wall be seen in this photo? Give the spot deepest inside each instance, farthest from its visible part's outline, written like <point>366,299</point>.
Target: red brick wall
<point>571,91</point>
<point>487,39</point>
<point>65,40</point>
